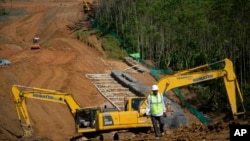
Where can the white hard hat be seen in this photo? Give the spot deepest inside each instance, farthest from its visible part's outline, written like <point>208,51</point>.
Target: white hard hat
<point>154,88</point>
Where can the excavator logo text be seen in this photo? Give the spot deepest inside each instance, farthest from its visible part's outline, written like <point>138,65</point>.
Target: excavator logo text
<point>188,77</point>
<point>202,78</point>
<point>44,96</point>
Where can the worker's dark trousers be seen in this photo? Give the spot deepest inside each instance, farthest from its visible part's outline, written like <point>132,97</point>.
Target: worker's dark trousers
<point>158,124</point>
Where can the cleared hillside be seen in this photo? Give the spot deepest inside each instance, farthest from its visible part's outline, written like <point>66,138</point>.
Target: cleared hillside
<point>61,64</point>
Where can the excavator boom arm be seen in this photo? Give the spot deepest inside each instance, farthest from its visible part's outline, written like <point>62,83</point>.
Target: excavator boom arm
<point>196,75</point>
<point>22,92</point>
<point>171,82</point>
<point>188,77</point>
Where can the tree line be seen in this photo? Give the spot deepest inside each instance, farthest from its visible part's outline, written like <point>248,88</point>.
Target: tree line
<point>180,34</point>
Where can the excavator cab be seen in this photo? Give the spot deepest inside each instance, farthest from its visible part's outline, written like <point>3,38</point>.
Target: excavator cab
<point>35,44</point>
<point>85,117</point>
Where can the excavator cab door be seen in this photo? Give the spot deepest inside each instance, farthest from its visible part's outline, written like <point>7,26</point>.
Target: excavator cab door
<point>86,117</point>
<point>134,104</point>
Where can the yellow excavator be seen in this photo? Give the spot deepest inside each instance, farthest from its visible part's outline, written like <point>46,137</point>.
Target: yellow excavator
<point>99,121</point>
<point>86,6</point>
<point>196,75</point>
<point>88,119</point>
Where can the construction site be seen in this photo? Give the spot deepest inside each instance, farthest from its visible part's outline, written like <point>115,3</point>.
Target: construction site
<point>45,56</point>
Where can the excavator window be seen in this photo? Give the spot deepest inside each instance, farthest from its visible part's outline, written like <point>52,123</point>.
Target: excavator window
<point>36,40</point>
<point>136,104</point>
<point>82,118</point>
<point>86,118</point>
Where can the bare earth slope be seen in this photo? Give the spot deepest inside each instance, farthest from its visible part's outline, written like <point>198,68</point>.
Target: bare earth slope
<point>59,65</point>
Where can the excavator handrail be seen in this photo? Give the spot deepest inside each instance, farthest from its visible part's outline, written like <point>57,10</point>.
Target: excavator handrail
<point>200,67</point>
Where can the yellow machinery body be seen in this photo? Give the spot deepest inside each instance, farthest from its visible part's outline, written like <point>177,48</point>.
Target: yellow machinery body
<point>88,119</point>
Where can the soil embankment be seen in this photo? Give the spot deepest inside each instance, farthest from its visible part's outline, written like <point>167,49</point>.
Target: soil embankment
<point>59,65</point>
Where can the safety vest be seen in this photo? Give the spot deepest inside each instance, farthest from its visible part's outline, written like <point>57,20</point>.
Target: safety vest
<point>156,106</point>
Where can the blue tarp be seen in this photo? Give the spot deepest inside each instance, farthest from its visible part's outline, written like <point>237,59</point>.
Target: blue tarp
<point>4,62</point>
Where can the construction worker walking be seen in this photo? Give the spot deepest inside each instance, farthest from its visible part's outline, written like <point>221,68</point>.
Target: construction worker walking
<point>156,109</point>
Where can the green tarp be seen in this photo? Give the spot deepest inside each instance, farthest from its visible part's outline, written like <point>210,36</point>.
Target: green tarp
<point>136,55</point>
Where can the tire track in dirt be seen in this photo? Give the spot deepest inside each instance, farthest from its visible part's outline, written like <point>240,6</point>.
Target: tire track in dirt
<point>54,77</point>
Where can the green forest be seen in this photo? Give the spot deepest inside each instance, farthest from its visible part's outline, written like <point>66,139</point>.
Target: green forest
<point>181,34</point>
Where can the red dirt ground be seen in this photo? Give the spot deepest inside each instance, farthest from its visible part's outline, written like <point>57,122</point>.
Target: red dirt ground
<point>61,64</point>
